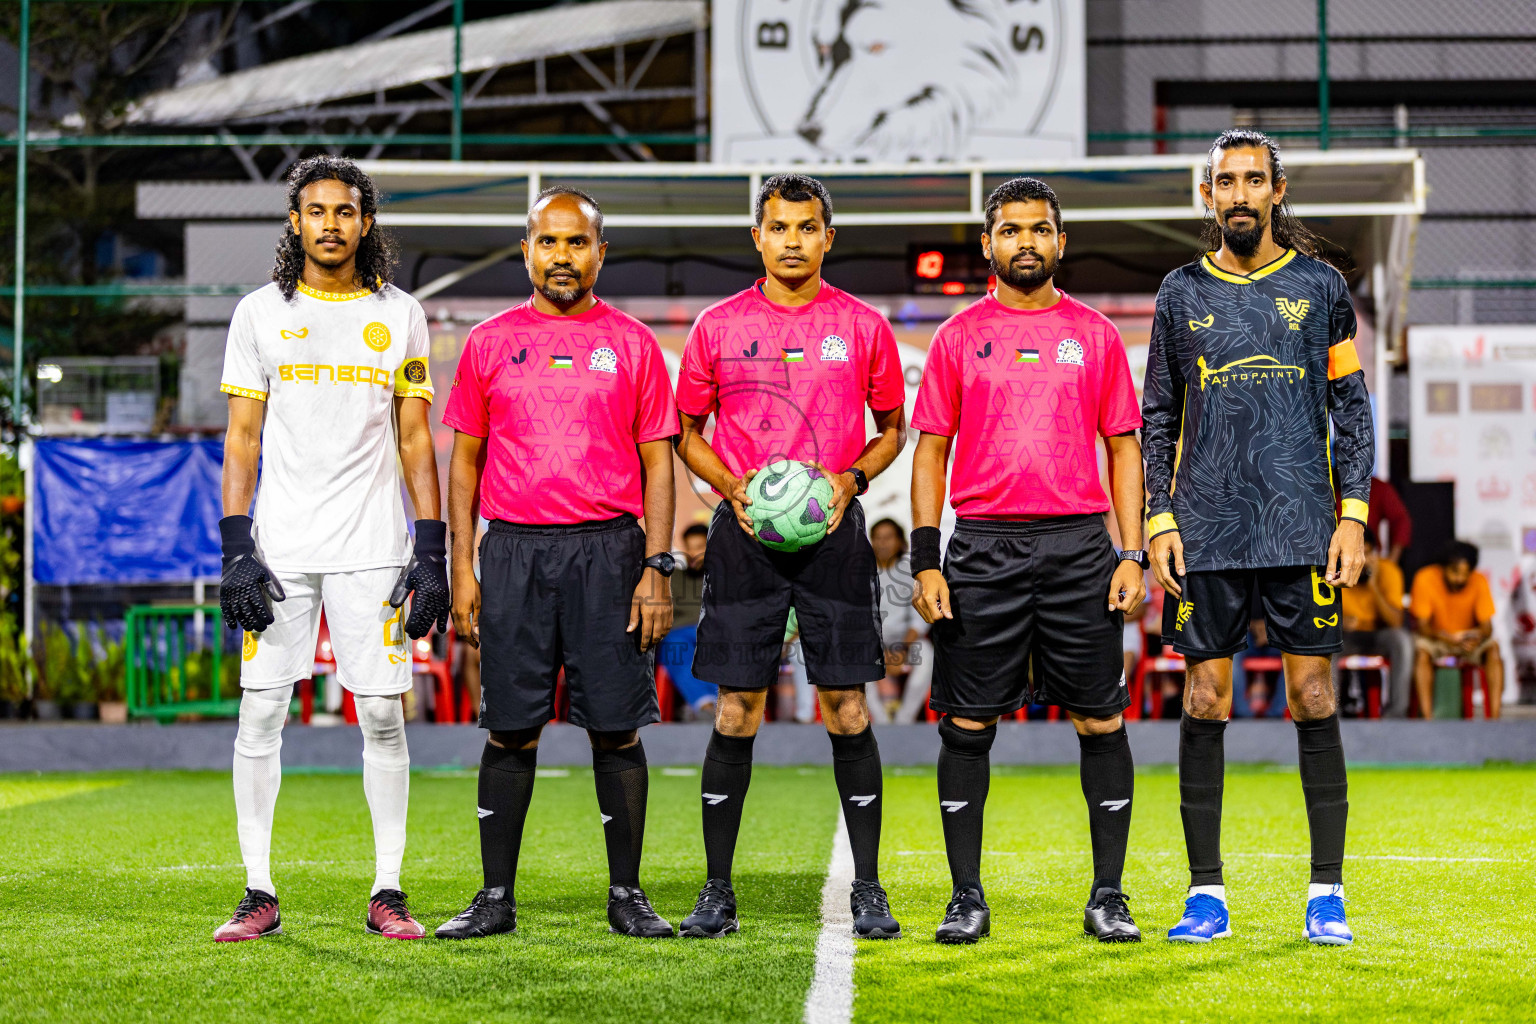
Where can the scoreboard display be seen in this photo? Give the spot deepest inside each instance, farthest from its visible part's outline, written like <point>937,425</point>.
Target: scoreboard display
<point>950,269</point>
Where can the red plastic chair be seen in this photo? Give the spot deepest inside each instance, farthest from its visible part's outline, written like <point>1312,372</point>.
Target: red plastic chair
<point>1368,663</point>
<point>666,694</point>
<point>1170,662</point>
<point>1470,674</point>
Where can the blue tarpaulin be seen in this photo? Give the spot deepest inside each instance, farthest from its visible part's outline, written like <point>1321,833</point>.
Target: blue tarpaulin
<point>114,510</point>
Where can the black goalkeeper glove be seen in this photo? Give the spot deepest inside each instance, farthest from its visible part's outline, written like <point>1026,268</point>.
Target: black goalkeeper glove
<point>427,576</point>
<point>247,583</point>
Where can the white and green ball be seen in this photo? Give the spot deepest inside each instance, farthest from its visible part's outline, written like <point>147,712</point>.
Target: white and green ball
<point>791,502</point>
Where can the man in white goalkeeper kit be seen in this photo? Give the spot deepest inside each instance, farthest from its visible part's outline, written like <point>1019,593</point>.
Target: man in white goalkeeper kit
<point>326,372</point>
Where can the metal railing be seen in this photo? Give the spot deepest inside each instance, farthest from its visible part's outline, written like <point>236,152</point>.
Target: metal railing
<point>173,669</point>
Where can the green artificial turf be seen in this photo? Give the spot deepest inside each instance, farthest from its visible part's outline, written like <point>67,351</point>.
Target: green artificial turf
<point>111,885</point>
<point>1435,940</point>
<point>109,897</point>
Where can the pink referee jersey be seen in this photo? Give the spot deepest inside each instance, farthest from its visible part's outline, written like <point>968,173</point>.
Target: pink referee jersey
<point>789,382</point>
<point>563,400</point>
<point>1026,394</point>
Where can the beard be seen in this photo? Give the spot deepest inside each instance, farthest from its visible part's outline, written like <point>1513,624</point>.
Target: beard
<point>563,295</point>
<point>1027,279</point>
<point>1246,242</point>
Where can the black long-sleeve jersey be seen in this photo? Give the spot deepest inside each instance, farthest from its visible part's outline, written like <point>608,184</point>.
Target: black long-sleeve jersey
<point>1243,375</point>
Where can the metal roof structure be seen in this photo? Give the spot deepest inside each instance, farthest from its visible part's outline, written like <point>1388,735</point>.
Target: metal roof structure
<point>442,193</point>
<point>304,83</point>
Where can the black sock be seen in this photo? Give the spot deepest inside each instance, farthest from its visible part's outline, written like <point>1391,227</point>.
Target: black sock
<point>622,787</point>
<point>727,774</point>
<point>1109,783</point>
<point>1202,765</point>
<point>965,775</point>
<point>860,788</point>
<point>1325,785</point>
<point>506,787</point>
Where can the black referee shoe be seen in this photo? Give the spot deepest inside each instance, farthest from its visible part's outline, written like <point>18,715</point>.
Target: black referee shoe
<point>872,912</point>
<point>1108,919</point>
<point>714,914</point>
<point>966,919</point>
<point>630,913</point>
<point>489,913</point>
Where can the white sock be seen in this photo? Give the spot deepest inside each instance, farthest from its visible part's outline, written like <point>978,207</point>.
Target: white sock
<point>1219,891</point>
<point>258,773</point>
<point>386,782</point>
<point>1316,889</point>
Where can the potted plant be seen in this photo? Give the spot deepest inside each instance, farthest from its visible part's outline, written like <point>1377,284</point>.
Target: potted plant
<point>111,668</point>
<point>58,682</point>
<point>17,671</point>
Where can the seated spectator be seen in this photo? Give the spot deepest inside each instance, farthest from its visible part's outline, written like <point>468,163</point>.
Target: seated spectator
<point>1386,507</point>
<point>1373,624</point>
<point>1264,696</point>
<point>1452,606</point>
<point>675,652</point>
<point>900,625</point>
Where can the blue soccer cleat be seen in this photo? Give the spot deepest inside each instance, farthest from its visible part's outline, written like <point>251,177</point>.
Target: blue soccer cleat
<point>1325,921</point>
<point>1205,918</point>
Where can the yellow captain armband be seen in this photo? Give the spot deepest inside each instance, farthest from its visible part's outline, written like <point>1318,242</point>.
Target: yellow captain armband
<point>230,389</point>
<point>1354,508</point>
<point>412,380</point>
<point>1161,523</point>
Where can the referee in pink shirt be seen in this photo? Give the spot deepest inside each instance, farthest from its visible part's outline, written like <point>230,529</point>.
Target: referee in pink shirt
<point>1021,385</point>
<point>787,368</point>
<point>565,402</point>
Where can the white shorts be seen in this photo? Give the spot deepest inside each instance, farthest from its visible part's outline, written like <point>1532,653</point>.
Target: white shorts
<point>367,635</point>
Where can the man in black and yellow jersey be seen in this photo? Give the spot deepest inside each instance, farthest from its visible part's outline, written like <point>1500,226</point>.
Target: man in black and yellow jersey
<point>1252,355</point>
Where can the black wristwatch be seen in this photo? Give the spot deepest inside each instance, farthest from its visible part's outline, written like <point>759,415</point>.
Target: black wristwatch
<point>1138,556</point>
<point>663,563</point>
<point>860,481</point>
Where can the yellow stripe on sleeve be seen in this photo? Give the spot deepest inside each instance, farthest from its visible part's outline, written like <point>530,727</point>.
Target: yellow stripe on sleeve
<point>1343,360</point>
<point>1161,523</point>
<point>1354,508</point>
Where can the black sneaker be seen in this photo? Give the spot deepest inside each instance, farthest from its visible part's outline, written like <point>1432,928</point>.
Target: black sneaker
<point>630,913</point>
<point>967,918</point>
<point>872,912</point>
<point>489,913</point>
<point>1108,919</point>
<point>714,914</point>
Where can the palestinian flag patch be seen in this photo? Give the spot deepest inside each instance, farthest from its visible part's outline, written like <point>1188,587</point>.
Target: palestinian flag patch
<point>559,362</point>
<point>1028,355</point>
<point>794,355</point>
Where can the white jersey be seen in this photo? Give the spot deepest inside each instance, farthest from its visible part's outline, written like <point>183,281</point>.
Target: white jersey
<point>329,368</point>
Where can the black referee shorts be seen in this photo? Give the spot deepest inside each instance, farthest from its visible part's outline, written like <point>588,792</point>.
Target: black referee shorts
<point>1029,591</point>
<point>748,592</point>
<point>553,596</point>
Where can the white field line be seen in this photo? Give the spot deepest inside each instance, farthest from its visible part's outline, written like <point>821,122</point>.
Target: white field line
<point>830,997</point>
<point>1284,856</point>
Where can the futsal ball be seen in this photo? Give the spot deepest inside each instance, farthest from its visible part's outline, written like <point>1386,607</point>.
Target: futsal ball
<point>790,505</point>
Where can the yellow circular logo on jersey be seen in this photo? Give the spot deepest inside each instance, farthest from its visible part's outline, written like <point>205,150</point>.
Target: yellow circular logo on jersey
<point>248,648</point>
<point>376,336</point>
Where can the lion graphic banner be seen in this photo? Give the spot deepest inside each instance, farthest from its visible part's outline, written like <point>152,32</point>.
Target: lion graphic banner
<point>825,81</point>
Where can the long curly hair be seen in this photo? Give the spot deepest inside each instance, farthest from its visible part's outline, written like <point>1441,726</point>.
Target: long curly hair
<point>376,252</point>
<point>1288,230</point>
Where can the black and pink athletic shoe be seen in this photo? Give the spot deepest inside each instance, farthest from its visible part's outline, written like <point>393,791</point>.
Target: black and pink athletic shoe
<point>390,917</point>
<point>255,918</point>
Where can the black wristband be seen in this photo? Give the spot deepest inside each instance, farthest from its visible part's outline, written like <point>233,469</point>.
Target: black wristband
<point>235,535</point>
<point>431,537</point>
<point>925,549</point>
